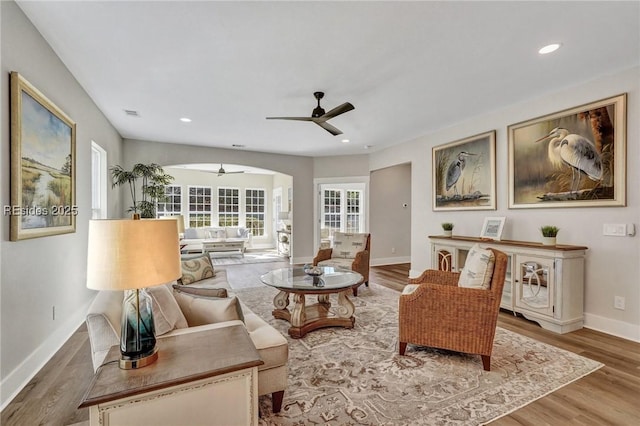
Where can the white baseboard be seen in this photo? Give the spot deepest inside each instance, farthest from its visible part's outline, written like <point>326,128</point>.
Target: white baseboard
<point>23,373</point>
<point>616,328</point>
<point>389,260</point>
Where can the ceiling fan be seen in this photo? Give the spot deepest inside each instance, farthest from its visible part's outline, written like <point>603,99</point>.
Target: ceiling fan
<point>319,117</point>
<point>222,172</point>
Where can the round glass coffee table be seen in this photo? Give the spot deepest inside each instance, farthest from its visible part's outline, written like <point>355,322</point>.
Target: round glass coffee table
<point>307,317</point>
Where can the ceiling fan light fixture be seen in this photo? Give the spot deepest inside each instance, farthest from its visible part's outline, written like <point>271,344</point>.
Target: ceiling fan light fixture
<point>345,141</point>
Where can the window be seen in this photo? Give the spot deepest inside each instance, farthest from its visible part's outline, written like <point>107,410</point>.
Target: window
<point>342,208</point>
<point>99,181</point>
<point>199,206</point>
<point>255,210</point>
<point>332,210</point>
<point>228,206</point>
<point>173,204</point>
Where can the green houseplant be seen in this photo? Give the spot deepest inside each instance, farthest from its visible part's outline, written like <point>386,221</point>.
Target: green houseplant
<point>153,181</point>
<point>447,227</point>
<point>549,234</point>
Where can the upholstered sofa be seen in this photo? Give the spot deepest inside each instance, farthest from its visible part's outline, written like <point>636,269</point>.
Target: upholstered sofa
<point>194,237</point>
<point>197,312</point>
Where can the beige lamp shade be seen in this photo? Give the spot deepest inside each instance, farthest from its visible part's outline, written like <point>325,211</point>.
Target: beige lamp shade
<point>180,221</point>
<point>132,254</point>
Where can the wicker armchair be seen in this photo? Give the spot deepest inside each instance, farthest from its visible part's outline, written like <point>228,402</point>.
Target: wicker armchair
<point>442,315</point>
<point>360,264</point>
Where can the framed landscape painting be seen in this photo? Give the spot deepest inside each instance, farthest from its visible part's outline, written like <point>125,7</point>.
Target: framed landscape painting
<point>464,174</point>
<point>43,146</point>
<point>571,158</point>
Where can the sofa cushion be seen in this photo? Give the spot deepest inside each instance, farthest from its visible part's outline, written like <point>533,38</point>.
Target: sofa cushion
<point>346,245</point>
<point>201,310</point>
<point>166,312</point>
<point>478,268</point>
<point>201,291</point>
<point>196,269</point>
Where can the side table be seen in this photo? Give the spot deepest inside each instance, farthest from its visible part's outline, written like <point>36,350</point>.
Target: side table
<point>207,377</point>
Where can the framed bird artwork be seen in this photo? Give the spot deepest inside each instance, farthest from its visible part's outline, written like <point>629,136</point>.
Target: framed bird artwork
<point>571,158</point>
<point>464,174</point>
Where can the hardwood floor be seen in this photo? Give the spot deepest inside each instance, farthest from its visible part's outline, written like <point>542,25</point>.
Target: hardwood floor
<point>609,396</point>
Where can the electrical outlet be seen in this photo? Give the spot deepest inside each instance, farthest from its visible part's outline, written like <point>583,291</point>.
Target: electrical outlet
<point>618,302</point>
<point>393,250</point>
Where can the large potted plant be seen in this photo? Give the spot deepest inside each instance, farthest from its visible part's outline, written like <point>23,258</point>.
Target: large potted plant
<point>152,189</point>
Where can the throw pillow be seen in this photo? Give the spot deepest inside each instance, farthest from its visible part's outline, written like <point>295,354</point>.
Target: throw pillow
<point>197,269</point>
<point>478,268</point>
<point>209,310</point>
<point>166,312</point>
<point>345,245</point>
<point>199,291</point>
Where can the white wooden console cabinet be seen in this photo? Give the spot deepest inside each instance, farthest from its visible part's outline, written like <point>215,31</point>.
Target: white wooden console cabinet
<point>544,283</point>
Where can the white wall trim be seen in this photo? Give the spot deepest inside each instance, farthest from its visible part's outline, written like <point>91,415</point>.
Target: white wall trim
<point>389,260</point>
<point>613,327</point>
<point>23,373</point>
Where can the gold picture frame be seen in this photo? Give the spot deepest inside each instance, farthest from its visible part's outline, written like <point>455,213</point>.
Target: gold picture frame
<point>43,165</point>
<point>571,158</point>
<point>464,174</point>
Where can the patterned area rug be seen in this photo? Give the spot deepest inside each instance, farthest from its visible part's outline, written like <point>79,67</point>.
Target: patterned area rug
<point>356,377</point>
<point>221,259</point>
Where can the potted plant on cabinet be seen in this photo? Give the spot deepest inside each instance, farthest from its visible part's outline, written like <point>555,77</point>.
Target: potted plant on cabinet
<point>154,181</point>
<point>447,227</point>
<point>549,234</point>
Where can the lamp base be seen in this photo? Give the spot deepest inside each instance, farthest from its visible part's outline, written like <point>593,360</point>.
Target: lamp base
<point>129,363</point>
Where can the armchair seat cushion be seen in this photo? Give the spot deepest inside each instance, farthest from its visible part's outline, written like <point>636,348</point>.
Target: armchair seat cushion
<point>337,263</point>
<point>271,345</point>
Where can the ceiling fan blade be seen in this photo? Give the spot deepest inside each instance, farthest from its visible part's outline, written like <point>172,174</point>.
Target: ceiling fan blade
<point>341,109</point>
<point>291,118</point>
<point>328,127</point>
<point>232,173</point>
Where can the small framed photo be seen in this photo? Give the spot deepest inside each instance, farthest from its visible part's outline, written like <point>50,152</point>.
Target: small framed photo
<point>492,228</point>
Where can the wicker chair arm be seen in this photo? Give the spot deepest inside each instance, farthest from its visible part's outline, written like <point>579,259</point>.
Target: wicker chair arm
<point>323,254</point>
<point>436,277</point>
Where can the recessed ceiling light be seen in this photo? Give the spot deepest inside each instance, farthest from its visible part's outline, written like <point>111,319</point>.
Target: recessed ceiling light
<point>185,120</point>
<point>549,48</point>
<point>367,146</point>
<point>345,140</point>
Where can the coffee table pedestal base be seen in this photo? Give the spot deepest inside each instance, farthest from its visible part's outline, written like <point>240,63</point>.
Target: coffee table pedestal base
<point>305,318</point>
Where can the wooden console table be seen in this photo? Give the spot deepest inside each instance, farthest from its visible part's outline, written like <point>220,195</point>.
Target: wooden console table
<point>207,377</point>
<point>544,283</point>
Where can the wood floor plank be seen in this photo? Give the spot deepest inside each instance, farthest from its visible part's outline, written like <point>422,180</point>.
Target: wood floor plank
<point>609,396</point>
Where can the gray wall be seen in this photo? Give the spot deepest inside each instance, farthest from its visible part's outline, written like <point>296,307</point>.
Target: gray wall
<point>40,273</point>
<point>390,222</point>
<point>299,168</point>
<point>612,264</point>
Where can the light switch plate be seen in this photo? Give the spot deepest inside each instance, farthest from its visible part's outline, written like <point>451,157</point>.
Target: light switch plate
<point>614,229</point>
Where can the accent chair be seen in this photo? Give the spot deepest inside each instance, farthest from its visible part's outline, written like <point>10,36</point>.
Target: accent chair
<point>457,311</point>
<point>349,251</point>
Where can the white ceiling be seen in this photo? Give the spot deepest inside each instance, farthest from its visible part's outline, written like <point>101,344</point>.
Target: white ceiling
<point>409,68</point>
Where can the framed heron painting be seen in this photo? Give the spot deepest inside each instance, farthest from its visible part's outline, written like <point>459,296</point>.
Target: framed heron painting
<point>571,158</point>
<point>43,146</point>
<point>464,174</point>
